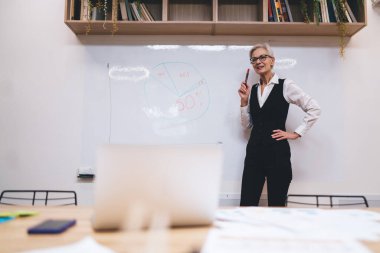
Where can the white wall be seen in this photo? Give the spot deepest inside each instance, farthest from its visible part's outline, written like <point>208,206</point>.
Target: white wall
<point>42,85</point>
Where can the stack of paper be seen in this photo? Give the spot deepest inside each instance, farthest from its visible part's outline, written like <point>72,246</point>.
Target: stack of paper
<point>292,230</point>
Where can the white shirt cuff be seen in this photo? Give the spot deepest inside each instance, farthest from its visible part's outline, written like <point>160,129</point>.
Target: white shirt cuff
<point>301,130</point>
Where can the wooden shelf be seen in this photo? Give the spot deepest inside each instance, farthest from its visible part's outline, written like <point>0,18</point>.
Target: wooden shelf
<point>211,17</point>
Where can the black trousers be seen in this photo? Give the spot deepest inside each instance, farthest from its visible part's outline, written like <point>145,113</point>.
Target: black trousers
<point>266,162</point>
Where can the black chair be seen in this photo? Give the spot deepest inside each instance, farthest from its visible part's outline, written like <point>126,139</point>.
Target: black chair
<point>33,197</point>
<point>353,200</point>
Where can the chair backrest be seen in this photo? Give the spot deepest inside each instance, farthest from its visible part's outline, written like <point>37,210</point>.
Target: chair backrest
<point>38,197</point>
<point>319,200</point>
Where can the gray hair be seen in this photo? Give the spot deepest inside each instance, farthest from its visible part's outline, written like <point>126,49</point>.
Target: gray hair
<point>264,46</point>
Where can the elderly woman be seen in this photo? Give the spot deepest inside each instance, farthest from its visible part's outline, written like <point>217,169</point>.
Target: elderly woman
<point>264,108</point>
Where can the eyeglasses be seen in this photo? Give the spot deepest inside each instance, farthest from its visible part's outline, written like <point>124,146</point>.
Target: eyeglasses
<point>262,58</point>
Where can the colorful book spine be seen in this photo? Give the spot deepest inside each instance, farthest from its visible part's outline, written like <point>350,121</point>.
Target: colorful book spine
<point>275,18</point>
<point>279,10</point>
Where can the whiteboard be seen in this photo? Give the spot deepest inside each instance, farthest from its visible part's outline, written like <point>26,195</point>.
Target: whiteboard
<point>188,94</point>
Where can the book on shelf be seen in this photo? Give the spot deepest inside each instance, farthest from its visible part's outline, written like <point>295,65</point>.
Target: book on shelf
<point>97,13</point>
<point>346,12</point>
<point>123,10</point>
<point>285,11</point>
<point>129,11</point>
<point>71,12</point>
<point>348,8</point>
<point>318,13</point>
<point>270,12</point>
<point>335,10</point>
<point>76,11</point>
<point>289,11</point>
<point>85,10</point>
<point>141,12</point>
<point>144,15</point>
<point>340,12</point>
<point>330,8</point>
<point>274,12</point>
<point>265,12</point>
<point>137,11</point>
<point>279,13</point>
<point>151,18</point>
<point>325,11</point>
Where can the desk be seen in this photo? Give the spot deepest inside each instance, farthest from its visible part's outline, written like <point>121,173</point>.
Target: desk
<point>13,236</point>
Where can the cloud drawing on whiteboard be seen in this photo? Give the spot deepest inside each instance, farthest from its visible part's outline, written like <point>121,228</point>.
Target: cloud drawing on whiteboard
<point>176,93</point>
<point>134,74</point>
<point>286,63</point>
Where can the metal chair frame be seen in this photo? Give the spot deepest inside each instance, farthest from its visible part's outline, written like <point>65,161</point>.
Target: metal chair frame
<point>331,197</point>
<point>34,199</point>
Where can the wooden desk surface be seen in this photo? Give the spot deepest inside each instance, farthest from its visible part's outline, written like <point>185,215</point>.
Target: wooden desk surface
<point>14,238</point>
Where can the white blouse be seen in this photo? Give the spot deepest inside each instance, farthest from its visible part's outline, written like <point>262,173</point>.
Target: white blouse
<point>293,95</point>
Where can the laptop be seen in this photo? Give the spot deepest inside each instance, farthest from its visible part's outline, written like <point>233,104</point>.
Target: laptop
<point>135,183</point>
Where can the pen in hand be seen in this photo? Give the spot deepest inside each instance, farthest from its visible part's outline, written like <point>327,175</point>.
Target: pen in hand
<point>246,77</point>
<point>244,90</point>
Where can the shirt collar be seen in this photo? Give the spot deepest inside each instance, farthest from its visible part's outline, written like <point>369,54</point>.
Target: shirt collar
<point>274,80</point>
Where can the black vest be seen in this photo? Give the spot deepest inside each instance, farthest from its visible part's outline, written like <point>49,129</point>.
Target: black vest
<point>271,116</point>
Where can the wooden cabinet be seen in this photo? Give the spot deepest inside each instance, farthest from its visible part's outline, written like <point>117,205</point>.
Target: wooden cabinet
<point>205,17</point>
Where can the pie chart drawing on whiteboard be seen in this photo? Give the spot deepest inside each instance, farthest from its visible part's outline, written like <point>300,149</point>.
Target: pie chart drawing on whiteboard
<point>176,93</point>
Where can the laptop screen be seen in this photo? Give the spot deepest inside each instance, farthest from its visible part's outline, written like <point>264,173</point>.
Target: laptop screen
<point>135,182</point>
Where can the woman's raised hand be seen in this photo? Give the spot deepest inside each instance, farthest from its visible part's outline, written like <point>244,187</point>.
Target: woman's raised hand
<point>244,92</point>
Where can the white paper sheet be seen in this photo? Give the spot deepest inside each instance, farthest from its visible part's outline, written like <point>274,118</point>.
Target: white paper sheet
<point>88,244</point>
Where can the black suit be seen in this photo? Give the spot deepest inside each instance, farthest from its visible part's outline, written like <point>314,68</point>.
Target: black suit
<point>267,158</point>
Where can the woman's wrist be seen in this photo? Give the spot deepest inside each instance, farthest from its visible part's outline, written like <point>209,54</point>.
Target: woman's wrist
<point>243,103</point>
<point>296,135</point>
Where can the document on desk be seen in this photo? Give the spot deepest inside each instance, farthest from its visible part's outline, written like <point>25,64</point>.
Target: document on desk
<point>220,241</point>
<point>87,244</point>
<point>321,224</point>
<point>255,229</point>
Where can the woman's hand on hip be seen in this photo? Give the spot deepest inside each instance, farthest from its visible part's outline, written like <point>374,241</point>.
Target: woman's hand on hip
<point>282,135</point>
<point>244,93</point>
